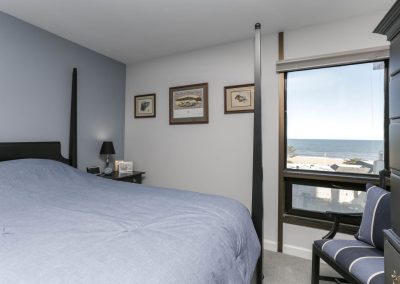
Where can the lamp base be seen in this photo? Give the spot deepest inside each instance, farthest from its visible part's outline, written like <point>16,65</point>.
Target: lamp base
<point>108,171</point>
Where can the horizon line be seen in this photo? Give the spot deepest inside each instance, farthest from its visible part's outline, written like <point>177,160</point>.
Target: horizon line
<point>366,139</point>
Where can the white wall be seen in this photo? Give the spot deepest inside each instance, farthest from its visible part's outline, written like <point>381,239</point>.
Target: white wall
<point>222,161</point>
<point>349,34</point>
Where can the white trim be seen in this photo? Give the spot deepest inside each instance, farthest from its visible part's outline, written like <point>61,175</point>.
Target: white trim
<point>289,249</point>
<point>349,247</point>
<point>334,59</point>
<point>270,245</point>
<point>371,188</point>
<point>322,248</point>
<point>373,275</point>
<point>360,258</point>
<point>297,251</point>
<point>373,218</point>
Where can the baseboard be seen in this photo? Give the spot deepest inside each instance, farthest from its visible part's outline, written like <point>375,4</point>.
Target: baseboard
<point>270,245</point>
<point>288,249</point>
<point>297,251</point>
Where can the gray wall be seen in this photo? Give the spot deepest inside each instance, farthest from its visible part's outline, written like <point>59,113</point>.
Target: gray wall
<point>35,90</point>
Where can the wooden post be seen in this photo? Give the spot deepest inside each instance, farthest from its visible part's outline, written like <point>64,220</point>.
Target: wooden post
<point>257,192</point>
<point>282,150</point>
<point>73,128</point>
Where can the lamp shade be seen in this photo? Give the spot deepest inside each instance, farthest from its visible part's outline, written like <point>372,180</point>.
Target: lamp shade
<point>107,148</point>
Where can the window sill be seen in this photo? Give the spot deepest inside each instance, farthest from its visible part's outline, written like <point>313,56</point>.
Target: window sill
<point>333,177</point>
<point>318,224</point>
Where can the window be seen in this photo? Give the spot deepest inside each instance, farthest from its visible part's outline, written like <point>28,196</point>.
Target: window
<point>335,119</point>
<point>322,199</point>
<point>335,126</point>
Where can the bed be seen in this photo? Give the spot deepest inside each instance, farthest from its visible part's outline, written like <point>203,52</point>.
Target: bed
<point>61,225</point>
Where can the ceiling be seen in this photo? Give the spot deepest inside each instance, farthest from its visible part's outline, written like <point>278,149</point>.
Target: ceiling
<point>137,30</point>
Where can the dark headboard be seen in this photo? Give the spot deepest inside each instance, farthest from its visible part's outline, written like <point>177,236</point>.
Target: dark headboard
<point>34,150</point>
<point>47,150</point>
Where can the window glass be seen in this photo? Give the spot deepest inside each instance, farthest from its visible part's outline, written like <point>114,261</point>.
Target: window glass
<point>335,119</point>
<point>322,199</point>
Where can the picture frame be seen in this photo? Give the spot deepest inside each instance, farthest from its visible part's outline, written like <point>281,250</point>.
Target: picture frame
<point>239,99</point>
<point>125,167</point>
<point>188,104</point>
<point>145,106</point>
<point>116,165</point>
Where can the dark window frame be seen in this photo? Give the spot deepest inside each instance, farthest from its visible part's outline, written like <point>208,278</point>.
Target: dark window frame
<point>351,181</point>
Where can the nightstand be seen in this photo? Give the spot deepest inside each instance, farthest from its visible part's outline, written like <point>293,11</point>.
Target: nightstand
<point>135,177</point>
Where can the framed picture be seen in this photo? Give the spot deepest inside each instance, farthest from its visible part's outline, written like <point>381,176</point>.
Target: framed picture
<point>145,106</point>
<point>125,167</point>
<point>116,165</point>
<point>188,104</point>
<point>239,98</point>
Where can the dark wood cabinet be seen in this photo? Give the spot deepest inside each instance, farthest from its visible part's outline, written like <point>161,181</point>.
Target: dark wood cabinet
<point>395,56</point>
<point>392,261</point>
<point>394,97</point>
<point>394,146</point>
<point>395,184</point>
<point>390,26</point>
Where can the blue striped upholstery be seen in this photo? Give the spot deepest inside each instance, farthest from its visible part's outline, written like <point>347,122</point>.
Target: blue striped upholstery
<point>376,217</point>
<point>360,259</point>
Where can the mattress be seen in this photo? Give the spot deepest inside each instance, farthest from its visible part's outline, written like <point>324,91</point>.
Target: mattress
<point>60,225</point>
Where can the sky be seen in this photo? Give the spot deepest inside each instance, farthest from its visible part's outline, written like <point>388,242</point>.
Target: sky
<point>345,102</point>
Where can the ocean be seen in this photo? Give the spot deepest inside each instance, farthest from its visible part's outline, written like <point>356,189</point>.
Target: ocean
<point>361,149</point>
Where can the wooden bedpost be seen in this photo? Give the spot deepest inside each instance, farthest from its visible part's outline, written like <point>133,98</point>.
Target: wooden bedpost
<point>73,147</point>
<point>257,192</point>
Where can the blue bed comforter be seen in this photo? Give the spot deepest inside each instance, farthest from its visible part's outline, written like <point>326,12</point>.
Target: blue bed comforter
<point>60,225</point>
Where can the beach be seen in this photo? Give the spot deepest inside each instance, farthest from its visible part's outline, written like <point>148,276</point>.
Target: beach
<point>330,164</point>
<point>326,161</point>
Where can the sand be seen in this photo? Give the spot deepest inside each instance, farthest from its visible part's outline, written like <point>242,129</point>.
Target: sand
<point>326,161</point>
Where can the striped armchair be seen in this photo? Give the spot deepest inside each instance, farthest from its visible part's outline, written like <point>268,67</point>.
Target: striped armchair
<point>360,260</point>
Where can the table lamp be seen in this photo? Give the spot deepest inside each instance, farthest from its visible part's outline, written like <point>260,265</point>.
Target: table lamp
<point>107,149</point>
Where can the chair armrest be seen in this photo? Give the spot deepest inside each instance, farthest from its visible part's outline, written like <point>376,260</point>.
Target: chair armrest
<point>337,219</point>
<point>383,176</point>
